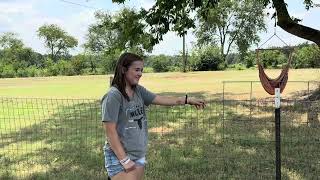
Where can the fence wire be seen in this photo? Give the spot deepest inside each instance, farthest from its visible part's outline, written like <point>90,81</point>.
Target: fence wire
<point>229,139</point>
<point>50,138</point>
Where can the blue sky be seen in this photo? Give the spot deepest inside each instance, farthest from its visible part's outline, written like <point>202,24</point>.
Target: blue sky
<point>25,16</point>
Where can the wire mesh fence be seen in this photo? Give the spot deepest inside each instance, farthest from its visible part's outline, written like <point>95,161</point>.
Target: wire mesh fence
<point>230,139</point>
<point>50,138</point>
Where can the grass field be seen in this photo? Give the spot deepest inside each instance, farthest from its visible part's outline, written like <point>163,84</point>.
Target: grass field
<point>208,83</point>
<point>51,137</point>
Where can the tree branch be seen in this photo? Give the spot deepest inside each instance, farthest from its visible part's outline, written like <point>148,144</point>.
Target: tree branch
<point>287,24</point>
<point>230,43</point>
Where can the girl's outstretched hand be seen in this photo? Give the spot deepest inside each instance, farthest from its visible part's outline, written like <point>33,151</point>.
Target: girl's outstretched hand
<point>198,103</point>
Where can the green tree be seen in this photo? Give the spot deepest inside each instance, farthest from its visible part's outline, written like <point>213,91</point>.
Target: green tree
<point>160,63</point>
<point>93,61</point>
<point>9,40</point>
<point>79,63</point>
<point>10,45</point>
<point>307,57</point>
<point>231,22</point>
<point>179,14</point>
<point>272,58</point>
<point>109,61</point>
<point>250,59</point>
<point>15,56</point>
<point>124,31</point>
<point>101,36</point>
<point>207,59</point>
<point>172,15</point>
<point>57,40</point>
<point>293,25</point>
<point>65,68</point>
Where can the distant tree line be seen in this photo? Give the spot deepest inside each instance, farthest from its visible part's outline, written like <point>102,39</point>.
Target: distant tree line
<point>224,37</point>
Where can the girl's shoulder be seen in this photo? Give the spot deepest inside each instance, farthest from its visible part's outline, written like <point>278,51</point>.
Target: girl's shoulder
<point>113,91</point>
<point>140,88</point>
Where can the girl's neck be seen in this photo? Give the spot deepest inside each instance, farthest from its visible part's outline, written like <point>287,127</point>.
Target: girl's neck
<point>129,91</point>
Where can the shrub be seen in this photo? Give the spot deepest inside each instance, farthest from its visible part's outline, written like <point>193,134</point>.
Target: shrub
<point>207,59</point>
<point>307,57</point>
<point>272,58</point>
<point>148,70</point>
<point>238,66</point>
<point>8,71</point>
<point>78,64</point>
<point>22,73</point>
<point>160,63</point>
<point>32,71</point>
<point>250,60</point>
<point>65,68</point>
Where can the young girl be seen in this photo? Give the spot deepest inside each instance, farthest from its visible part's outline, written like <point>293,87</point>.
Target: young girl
<point>125,122</point>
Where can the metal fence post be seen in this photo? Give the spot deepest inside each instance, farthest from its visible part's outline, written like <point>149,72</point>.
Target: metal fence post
<point>277,133</point>
<point>223,104</point>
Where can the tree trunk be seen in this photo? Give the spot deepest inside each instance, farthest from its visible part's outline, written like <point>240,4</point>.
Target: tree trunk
<point>184,53</point>
<point>287,24</point>
<point>52,54</point>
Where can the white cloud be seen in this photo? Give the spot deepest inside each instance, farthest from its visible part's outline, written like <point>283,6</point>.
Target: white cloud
<point>77,25</point>
<point>13,10</point>
<point>14,17</point>
<point>14,7</point>
<point>22,18</point>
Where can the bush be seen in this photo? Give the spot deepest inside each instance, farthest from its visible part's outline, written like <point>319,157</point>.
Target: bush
<point>79,64</point>
<point>148,70</point>
<point>22,73</point>
<point>32,71</point>
<point>160,63</point>
<point>52,70</point>
<point>207,59</point>
<point>250,60</point>
<point>43,72</point>
<point>65,68</point>
<point>8,71</point>
<point>238,66</point>
<point>307,57</point>
<point>272,59</point>
<point>174,69</point>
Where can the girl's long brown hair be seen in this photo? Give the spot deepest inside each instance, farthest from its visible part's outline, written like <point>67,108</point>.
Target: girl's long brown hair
<point>123,64</point>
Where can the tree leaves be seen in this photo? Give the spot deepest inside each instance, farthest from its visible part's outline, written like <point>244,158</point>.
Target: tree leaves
<point>56,39</point>
<point>125,30</point>
<point>10,40</point>
<point>231,22</point>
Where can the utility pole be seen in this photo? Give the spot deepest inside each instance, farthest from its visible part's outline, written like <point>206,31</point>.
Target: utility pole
<point>184,53</point>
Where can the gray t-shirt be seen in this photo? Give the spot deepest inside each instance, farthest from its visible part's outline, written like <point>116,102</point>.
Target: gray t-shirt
<point>130,117</point>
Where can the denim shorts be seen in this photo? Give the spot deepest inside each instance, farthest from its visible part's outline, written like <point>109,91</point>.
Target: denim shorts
<point>112,164</point>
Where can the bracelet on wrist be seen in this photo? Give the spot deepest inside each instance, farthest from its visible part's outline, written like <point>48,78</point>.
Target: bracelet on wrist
<point>186,99</point>
<point>125,161</point>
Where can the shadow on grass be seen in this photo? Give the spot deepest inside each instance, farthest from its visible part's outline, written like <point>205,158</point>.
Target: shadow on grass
<point>66,145</point>
<point>229,140</point>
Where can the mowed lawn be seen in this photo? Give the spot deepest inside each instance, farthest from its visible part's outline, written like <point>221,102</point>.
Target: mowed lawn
<point>205,83</point>
<point>59,135</point>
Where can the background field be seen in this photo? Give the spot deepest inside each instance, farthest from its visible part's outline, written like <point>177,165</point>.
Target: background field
<point>58,135</point>
<point>209,83</point>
